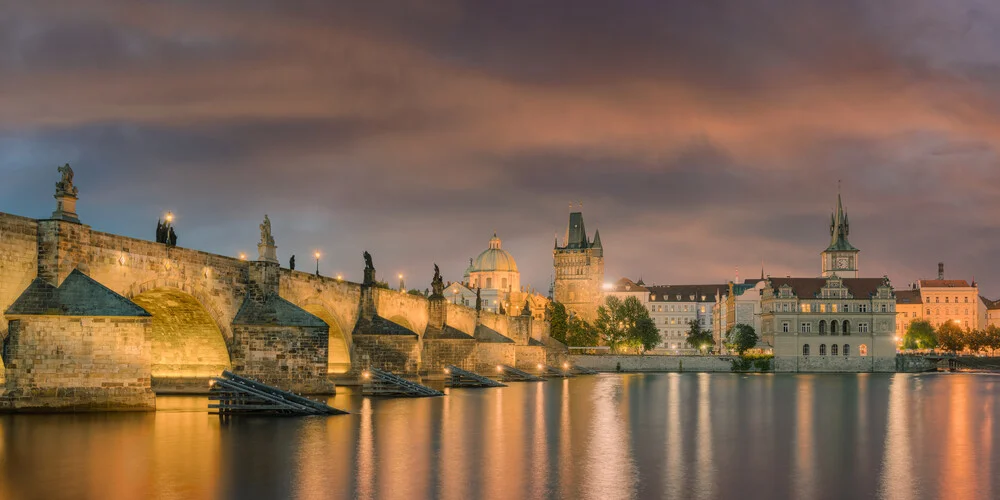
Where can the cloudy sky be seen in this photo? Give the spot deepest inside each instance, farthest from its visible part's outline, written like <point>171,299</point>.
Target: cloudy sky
<point>700,136</point>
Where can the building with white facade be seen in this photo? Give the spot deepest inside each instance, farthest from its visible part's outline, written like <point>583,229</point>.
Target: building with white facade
<point>672,307</point>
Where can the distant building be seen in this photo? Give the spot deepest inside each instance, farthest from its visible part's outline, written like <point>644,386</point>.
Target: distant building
<point>671,307</point>
<point>738,303</point>
<point>992,312</point>
<point>831,323</point>
<point>579,270</point>
<point>940,301</point>
<point>909,308</point>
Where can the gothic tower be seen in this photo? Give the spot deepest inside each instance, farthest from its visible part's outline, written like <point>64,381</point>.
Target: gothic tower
<point>840,257</point>
<point>579,270</point>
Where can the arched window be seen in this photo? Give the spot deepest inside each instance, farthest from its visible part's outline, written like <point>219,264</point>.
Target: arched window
<point>847,327</point>
<point>863,349</point>
<point>833,327</point>
<point>805,349</point>
<point>847,349</point>
<point>822,327</point>
<point>833,350</point>
<point>822,349</point>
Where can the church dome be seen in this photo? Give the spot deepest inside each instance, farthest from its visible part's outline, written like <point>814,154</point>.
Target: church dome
<point>494,258</point>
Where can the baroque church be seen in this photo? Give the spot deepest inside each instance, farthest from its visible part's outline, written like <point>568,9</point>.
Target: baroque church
<point>495,276</point>
<point>838,322</point>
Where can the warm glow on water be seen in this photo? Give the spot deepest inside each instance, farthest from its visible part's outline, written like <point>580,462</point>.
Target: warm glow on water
<point>685,436</point>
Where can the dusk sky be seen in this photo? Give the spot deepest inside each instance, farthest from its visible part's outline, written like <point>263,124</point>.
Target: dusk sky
<point>699,135</point>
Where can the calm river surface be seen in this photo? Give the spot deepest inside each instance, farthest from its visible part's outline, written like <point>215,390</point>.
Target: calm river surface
<point>684,436</point>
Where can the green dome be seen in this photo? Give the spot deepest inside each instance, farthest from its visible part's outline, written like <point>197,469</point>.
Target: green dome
<point>494,258</point>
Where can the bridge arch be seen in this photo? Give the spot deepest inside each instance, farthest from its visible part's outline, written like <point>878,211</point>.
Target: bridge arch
<point>339,349</point>
<point>222,319</point>
<point>186,343</point>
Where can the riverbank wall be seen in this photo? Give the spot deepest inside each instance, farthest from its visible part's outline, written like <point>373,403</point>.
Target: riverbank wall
<point>636,363</point>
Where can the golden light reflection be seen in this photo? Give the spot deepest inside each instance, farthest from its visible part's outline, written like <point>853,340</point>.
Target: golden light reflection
<point>804,483</point>
<point>676,467</point>
<point>705,474</point>
<point>960,472</point>
<point>539,445</point>
<point>566,477</point>
<point>897,480</point>
<point>366,452</point>
<point>610,465</point>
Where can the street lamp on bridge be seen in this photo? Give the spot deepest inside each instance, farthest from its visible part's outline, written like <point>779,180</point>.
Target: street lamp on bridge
<point>317,254</point>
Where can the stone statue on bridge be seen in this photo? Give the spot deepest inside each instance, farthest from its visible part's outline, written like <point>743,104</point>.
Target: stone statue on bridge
<point>479,299</point>
<point>171,237</point>
<point>65,186</point>
<point>267,250</point>
<point>437,284</point>
<point>369,270</point>
<point>291,263</point>
<point>265,232</point>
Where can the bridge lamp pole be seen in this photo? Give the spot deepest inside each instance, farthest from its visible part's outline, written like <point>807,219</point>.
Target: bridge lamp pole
<point>317,254</point>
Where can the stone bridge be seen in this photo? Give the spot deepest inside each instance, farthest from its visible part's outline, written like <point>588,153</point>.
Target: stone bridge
<point>94,320</point>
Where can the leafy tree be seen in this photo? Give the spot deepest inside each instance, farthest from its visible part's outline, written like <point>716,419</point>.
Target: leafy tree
<point>617,321</point>
<point>741,337</point>
<point>919,335</point>
<point>976,340</point>
<point>698,337</point>
<point>414,291</point>
<point>579,333</point>
<point>950,337</point>
<point>646,335</point>
<point>558,321</point>
<point>992,338</point>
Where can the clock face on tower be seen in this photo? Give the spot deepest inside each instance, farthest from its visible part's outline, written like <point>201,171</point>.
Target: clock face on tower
<point>841,263</point>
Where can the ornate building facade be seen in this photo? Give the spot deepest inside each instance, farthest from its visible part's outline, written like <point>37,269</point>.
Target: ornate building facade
<point>831,323</point>
<point>579,270</point>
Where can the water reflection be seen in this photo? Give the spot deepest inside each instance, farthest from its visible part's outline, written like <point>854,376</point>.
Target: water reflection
<point>610,436</point>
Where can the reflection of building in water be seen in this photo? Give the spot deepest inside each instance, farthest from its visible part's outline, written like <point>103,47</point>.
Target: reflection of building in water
<point>831,323</point>
<point>494,273</point>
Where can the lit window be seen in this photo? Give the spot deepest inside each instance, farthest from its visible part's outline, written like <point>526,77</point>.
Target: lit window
<point>806,308</point>
<point>822,308</point>
<point>833,308</point>
<point>863,350</point>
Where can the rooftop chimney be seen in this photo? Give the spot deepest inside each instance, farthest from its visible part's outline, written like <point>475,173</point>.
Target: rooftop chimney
<point>940,270</point>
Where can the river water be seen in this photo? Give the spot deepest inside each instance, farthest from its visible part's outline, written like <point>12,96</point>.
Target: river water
<point>683,436</point>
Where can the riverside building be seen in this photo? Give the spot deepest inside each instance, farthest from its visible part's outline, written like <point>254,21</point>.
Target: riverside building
<point>835,323</point>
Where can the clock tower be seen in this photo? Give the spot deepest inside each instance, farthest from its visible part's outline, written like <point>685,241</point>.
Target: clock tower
<point>840,257</point>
